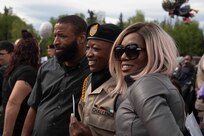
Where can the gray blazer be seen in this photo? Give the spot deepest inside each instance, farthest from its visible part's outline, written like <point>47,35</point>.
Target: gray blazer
<point>153,107</point>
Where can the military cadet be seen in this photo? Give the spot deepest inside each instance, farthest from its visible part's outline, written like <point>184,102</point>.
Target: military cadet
<point>97,104</point>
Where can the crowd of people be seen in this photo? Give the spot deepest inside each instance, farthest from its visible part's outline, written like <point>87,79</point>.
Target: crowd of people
<point>99,80</point>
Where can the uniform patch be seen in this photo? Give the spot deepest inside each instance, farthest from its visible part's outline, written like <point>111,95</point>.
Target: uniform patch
<point>93,30</point>
<point>102,111</point>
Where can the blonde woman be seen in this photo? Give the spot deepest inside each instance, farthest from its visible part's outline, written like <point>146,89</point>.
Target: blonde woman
<point>146,55</point>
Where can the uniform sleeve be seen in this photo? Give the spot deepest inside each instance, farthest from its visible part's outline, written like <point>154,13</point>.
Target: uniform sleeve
<point>148,101</point>
<point>36,92</point>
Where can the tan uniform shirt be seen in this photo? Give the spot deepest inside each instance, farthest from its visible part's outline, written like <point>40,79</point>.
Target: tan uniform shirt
<point>97,110</point>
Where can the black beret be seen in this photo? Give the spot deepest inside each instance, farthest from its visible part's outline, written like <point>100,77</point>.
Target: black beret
<point>104,32</point>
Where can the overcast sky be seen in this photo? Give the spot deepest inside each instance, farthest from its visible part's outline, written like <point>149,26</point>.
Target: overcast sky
<point>36,12</point>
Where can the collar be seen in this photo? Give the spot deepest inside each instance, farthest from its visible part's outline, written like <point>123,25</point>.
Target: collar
<point>83,63</point>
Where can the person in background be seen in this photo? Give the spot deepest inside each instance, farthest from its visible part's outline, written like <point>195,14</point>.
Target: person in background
<point>50,53</point>
<point>187,59</point>
<point>185,71</point>
<point>97,104</point>
<point>6,51</point>
<point>58,80</point>
<point>19,78</point>
<point>51,50</point>
<point>146,55</point>
<point>185,76</point>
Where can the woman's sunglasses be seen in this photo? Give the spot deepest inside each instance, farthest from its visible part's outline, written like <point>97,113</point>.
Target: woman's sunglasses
<point>131,51</point>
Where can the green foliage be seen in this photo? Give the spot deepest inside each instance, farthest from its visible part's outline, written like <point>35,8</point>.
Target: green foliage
<point>44,44</point>
<point>139,17</point>
<point>81,15</point>
<point>189,37</point>
<point>121,22</point>
<point>92,17</point>
<point>11,26</point>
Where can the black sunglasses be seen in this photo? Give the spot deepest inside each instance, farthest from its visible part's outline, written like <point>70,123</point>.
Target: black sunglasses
<point>131,51</point>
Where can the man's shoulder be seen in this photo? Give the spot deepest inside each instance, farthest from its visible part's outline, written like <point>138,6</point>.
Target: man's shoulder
<point>52,62</point>
<point>51,65</point>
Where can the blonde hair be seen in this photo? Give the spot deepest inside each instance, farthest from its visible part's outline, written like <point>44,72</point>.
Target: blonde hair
<point>200,73</point>
<point>161,52</point>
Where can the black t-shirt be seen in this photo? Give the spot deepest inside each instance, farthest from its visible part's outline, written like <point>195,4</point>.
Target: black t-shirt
<point>2,69</point>
<point>27,74</point>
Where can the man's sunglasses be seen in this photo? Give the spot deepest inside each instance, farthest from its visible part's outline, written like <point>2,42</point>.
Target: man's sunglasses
<point>131,51</point>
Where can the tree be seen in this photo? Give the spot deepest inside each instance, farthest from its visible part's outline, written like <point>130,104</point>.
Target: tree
<point>5,24</point>
<point>11,25</point>
<point>139,17</point>
<point>121,23</point>
<point>167,26</point>
<point>92,17</point>
<point>188,37</point>
<point>81,15</point>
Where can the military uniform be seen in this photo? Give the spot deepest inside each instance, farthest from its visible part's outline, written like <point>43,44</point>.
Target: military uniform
<point>97,104</point>
<point>96,109</point>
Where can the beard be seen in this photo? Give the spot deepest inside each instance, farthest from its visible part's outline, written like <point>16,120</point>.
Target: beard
<point>67,52</point>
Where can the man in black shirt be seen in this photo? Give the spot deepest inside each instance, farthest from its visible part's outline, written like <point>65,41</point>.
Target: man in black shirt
<point>58,79</point>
